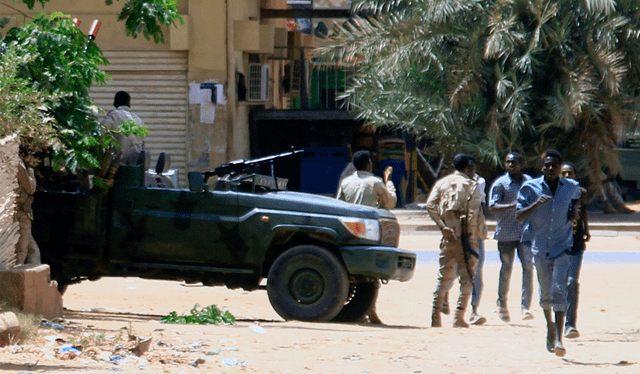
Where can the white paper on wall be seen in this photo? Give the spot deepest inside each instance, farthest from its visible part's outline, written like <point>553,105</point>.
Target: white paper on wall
<point>194,93</point>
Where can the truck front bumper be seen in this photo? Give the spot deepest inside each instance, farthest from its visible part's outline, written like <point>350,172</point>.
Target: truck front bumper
<point>380,262</point>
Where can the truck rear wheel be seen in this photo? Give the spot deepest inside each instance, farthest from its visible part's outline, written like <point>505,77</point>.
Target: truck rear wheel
<point>307,283</point>
<point>363,297</point>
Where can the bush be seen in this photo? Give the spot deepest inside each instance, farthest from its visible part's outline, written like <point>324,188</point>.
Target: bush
<point>209,315</point>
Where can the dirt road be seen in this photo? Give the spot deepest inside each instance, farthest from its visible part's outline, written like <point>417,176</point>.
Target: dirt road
<point>101,314</point>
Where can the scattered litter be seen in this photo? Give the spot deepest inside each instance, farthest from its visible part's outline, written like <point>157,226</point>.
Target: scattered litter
<point>55,326</point>
<point>115,369</point>
<point>229,349</point>
<point>258,329</point>
<point>212,352</point>
<point>141,347</point>
<point>69,348</point>
<point>234,362</point>
<point>197,362</point>
<point>196,345</point>
<point>352,357</point>
<point>119,359</point>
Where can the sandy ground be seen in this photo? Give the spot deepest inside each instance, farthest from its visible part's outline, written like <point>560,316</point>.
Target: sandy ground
<point>101,314</point>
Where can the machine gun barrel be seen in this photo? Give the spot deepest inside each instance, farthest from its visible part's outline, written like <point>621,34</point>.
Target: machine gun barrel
<point>239,166</point>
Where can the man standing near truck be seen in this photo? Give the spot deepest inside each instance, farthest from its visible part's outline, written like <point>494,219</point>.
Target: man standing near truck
<point>454,204</point>
<point>364,188</point>
<point>131,145</point>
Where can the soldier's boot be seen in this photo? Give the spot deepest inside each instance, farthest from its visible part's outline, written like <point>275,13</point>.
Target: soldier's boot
<point>458,320</point>
<point>436,319</point>
<point>463,301</point>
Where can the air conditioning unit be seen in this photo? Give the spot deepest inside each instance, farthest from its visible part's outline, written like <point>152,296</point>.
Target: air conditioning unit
<point>258,84</point>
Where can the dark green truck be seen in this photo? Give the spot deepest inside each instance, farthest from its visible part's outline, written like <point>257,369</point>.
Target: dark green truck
<point>322,258</point>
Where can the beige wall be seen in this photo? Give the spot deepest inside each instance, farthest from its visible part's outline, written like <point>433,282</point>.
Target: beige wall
<point>239,10</point>
<point>205,36</point>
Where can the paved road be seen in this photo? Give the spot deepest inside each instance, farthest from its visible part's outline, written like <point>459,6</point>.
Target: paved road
<point>600,224</point>
<point>615,238</point>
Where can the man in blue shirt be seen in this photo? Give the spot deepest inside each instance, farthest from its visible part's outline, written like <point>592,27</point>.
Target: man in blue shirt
<point>503,198</point>
<point>546,206</point>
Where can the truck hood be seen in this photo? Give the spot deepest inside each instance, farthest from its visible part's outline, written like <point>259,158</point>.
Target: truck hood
<point>309,203</point>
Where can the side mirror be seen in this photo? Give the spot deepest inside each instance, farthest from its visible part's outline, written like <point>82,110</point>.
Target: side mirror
<point>196,181</point>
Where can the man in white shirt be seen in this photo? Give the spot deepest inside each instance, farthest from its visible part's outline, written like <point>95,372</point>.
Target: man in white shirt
<point>364,188</point>
<point>131,145</point>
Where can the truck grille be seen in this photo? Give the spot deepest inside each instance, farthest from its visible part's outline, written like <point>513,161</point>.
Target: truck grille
<point>389,232</point>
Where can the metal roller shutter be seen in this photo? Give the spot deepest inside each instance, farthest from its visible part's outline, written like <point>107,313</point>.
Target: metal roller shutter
<point>157,83</point>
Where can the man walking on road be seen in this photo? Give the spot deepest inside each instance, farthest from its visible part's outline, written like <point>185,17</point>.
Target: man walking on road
<point>454,204</point>
<point>581,236</point>
<point>546,205</point>
<point>475,318</point>
<point>502,204</point>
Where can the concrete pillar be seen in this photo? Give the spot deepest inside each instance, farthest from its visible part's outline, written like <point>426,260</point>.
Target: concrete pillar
<point>30,289</point>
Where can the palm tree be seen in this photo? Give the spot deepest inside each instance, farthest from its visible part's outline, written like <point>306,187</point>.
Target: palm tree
<point>492,76</point>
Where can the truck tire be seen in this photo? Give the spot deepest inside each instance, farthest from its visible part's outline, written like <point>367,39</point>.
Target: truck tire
<point>363,297</point>
<point>307,283</point>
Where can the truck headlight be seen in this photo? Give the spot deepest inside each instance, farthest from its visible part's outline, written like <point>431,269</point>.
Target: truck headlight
<point>362,228</point>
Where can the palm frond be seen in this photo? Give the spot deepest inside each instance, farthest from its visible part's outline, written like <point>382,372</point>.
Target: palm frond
<point>605,7</point>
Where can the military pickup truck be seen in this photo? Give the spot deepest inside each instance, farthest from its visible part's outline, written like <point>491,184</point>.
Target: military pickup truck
<point>323,259</point>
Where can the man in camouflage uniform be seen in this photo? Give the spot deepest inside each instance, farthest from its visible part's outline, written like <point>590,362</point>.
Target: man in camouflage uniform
<point>453,199</point>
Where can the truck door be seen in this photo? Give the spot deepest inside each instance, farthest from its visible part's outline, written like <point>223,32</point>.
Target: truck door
<point>175,226</point>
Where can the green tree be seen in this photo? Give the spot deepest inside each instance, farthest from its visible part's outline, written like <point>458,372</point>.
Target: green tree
<point>22,108</point>
<point>63,63</point>
<point>491,76</point>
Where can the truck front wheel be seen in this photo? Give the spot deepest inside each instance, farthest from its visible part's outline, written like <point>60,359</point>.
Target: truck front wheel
<point>307,283</point>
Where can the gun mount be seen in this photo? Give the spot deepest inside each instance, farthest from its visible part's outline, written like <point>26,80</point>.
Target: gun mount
<point>244,166</point>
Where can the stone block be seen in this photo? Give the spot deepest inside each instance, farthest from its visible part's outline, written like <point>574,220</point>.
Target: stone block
<point>10,332</point>
<point>29,288</point>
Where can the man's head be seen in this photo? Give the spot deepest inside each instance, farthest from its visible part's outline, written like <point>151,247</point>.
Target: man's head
<point>551,164</point>
<point>362,161</point>
<point>569,170</point>
<point>513,163</point>
<point>465,163</point>
<point>122,98</point>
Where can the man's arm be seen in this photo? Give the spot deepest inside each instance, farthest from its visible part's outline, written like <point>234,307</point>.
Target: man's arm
<point>434,213</point>
<point>495,200</point>
<point>387,195</point>
<point>525,212</point>
<point>340,195</point>
<point>582,211</point>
